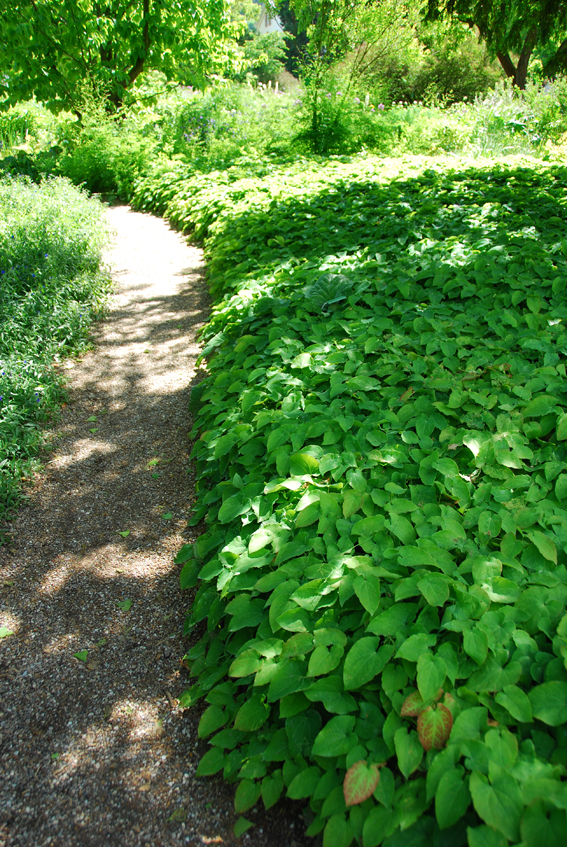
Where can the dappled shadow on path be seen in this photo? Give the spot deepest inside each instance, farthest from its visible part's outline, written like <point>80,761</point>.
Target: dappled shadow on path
<point>95,750</point>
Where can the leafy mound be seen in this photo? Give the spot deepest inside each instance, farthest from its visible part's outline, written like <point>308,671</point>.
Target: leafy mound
<point>51,288</point>
<point>383,472</point>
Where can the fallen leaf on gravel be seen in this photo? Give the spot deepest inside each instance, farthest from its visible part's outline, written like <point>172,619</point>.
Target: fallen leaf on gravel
<point>94,430</point>
<point>178,815</point>
<point>168,516</point>
<point>55,756</point>
<point>81,655</point>
<point>92,418</point>
<point>101,643</point>
<point>241,826</point>
<point>8,583</point>
<point>125,534</point>
<point>5,632</point>
<point>124,605</point>
<point>153,462</point>
<point>156,476</point>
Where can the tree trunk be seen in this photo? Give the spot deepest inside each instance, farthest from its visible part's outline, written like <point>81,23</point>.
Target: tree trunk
<point>138,65</point>
<point>524,60</point>
<point>507,65</point>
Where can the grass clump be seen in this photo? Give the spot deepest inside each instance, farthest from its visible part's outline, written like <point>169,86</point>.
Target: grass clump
<point>51,289</point>
<point>381,461</point>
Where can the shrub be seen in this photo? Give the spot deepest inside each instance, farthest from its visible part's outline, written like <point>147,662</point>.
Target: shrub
<point>106,153</point>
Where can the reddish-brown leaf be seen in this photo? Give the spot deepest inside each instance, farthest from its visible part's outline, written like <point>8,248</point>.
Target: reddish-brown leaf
<point>412,705</point>
<point>434,726</point>
<point>359,783</point>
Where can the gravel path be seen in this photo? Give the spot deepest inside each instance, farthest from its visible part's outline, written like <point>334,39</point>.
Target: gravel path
<point>97,752</point>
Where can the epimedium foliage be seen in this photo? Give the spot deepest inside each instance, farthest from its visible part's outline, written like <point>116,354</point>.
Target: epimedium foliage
<point>382,469</point>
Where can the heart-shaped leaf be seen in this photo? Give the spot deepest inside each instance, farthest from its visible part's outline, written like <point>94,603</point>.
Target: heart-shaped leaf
<point>82,655</point>
<point>434,726</point>
<point>359,782</point>
<point>412,705</point>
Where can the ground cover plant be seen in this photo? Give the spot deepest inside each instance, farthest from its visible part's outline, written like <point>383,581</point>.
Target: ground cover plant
<point>51,289</point>
<point>382,470</point>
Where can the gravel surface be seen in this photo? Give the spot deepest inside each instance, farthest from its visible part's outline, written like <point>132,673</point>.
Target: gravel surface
<point>97,751</point>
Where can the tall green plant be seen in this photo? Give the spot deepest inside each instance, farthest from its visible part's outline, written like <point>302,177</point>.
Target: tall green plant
<point>338,29</point>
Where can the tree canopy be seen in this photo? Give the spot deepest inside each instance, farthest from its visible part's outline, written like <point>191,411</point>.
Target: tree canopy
<point>50,48</point>
<point>514,29</point>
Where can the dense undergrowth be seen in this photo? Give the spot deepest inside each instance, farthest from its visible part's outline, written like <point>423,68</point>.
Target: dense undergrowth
<point>51,289</point>
<point>235,125</point>
<point>383,474</point>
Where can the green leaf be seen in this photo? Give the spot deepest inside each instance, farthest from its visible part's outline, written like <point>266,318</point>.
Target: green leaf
<point>516,702</point>
<point>380,823</point>
<point>561,486</point>
<point>5,632</point>
<point>544,544</point>
<point>232,508</point>
<point>82,655</point>
<point>359,783</point>
<point>542,830</point>
<point>308,515</point>
<point>475,645</point>
<point>167,516</point>
<point>189,574</point>
<point>541,405</point>
<point>323,660</point>
<point>211,763</point>
<point>336,737</point>
<point>272,787</point>
<point>301,464</point>
<point>431,673</point>
<point>304,784</point>
<point>402,529</point>
<point>415,646</point>
<point>337,832</point>
<point>364,661</point>
<point>498,804</point>
<point>211,720</point>
<point>549,702</point>
<point>125,533</point>
<point>367,589</point>
<point>562,428</point>
<point>452,798</point>
<point>252,714</point>
<point>434,589</point>
<point>485,836</point>
<point>124,605</point>
<point>247,794</point>
<point>247,663</point>
<point>241,826</point>
<point>408,750</point>
<point>185,554</point>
